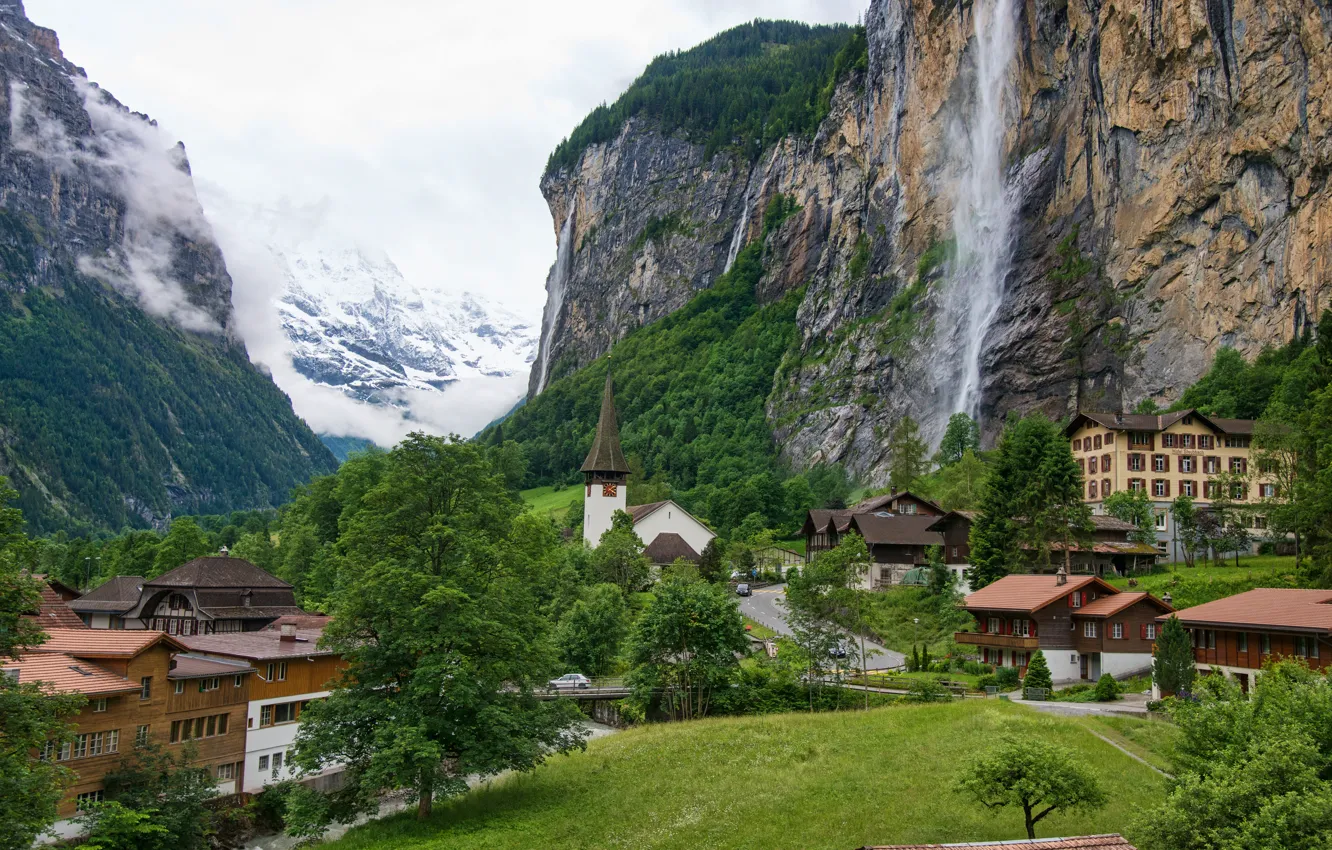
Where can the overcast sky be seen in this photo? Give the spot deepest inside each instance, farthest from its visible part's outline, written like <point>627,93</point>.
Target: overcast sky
<point>424,124</point>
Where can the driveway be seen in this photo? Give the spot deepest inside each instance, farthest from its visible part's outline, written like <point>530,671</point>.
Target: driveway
<point>768,606</point>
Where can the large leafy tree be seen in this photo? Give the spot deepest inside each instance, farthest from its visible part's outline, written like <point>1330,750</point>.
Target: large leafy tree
<point>183,543</point>
<point>1250,771</point>
<point>1174,667</point>
<point>619,558</point>
<point>30,714</point>
<point>825,599</point>
<point>961,435</point>
<point>164,786</point>
<point>1134,506</point>
<point>437,617</point>
<point>684,646</point>
<point>1038,777</point>
<point>591,632</point>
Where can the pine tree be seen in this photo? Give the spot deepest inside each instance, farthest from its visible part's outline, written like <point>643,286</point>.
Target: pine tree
<point>907,455</point>
<point>1174,668</point>
<point>1038,672</point>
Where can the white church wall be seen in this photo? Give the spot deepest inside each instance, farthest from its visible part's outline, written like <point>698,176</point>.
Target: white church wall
<point>672,517</point>
<point>599,509</point>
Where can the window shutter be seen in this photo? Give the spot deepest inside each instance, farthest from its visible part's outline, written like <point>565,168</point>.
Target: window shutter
<point>1167,482</point>
<point>1143,628</point>
<point>1244,466</point>
<point>1070,600</point>
<point>1167,463</point>
<point>1033,628</point>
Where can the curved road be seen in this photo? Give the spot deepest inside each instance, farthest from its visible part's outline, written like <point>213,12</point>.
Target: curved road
<point>768,606</point>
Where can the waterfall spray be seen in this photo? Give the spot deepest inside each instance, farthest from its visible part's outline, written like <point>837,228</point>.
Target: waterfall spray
<point>555,285</point>
<point>984,206</point>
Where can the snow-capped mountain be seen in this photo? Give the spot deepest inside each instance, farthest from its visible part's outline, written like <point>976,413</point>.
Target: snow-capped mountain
<point>355,323</point>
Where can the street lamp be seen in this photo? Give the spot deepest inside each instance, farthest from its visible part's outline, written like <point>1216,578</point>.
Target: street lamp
<point>915,630</point>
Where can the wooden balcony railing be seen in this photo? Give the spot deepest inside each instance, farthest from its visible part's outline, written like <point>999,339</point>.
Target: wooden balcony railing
<point>997,641</point>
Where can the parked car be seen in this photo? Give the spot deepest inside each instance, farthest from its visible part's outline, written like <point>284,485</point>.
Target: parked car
<point>742,590</point>
<point>837,650</point>
<point>570,680</point>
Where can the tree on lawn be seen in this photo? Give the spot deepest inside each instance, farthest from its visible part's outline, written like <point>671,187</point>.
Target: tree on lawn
<point>1174,668</point>
<point>1184,516</point>
<point>1038,777</point>
<point>711,565</point>
<point>619,558</point>
<point>30,714</point>
<point>590,633</point>
<point>825,600</point>
<point>962,435</point>
<point>684,646</point>
<point>439,622</point>
<point>1038,673</point>
<point>907,455</point>
<point>1134,506</point>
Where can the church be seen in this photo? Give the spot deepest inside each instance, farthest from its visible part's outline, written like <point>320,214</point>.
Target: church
<point>667,530</point>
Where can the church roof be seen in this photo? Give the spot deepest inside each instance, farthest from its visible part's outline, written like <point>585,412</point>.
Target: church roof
<point>667,547</point>
<point>606,454</point>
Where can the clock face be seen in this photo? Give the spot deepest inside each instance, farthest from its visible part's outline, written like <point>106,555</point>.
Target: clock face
<point>609,490</point>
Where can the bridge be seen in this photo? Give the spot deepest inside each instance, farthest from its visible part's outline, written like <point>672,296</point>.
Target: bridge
<point>597,689</point>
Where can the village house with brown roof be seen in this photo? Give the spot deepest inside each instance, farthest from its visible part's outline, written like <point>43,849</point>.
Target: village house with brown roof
<point>1239,633</point>
<point>1114,841</point>
<point>1084,626</point>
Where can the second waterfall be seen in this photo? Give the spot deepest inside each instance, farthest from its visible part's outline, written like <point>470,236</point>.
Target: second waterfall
<point>984,206</point>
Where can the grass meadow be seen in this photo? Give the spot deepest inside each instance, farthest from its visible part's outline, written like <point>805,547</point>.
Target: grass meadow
<point>831,781</point>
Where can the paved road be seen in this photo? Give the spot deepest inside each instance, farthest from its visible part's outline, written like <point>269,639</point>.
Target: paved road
<point>768,606</point>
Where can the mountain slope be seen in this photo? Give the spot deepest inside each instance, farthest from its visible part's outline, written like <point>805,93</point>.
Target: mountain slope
<point>124,398</point>
<point>1179,152</point>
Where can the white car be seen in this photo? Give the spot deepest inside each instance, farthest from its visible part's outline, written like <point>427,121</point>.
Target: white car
<point>570,680</point>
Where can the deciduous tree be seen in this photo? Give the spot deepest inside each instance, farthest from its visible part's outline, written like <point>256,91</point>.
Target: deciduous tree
<point>1038,777</point>
<point>961,435</point>
<point>591,632</point>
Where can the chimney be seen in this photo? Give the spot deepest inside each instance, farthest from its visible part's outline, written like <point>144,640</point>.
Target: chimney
<point>1166,598</point>
<point>288,633</point>
<point>1119,419</point>
<point>1061,577</point>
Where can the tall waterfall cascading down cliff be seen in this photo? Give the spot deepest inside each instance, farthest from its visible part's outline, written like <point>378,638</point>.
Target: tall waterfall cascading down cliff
<point>984,205</point>
<point>559,278</point>
<point>741,226</point>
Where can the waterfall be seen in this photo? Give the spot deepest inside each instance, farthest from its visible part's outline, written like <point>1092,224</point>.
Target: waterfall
<point>738,238</point>
<point>985,204</point>
<point>555,285</point>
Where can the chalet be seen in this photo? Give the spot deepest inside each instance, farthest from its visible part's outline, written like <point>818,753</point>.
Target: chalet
<point>105,606</point>
<point>210,594</point>
<point>1184,453</point>
<point>1084,626</point>
<point>139,689</point>
<point>1110,551</point>
<point>606,479</point>
<point>1237,634</point>
<point>290,670</point>
<point>824,529</point>
<point>896,543</point>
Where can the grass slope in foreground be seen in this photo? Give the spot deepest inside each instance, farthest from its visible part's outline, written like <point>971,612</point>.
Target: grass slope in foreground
<point>833,781</point>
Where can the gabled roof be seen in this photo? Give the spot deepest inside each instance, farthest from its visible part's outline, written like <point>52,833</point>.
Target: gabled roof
<point>67,674</point>
<point>216,571</point>
<point>256,646</point>
<point>1156,422</point>
<point>606,454</point>
<point>641,512</point>
<point>1081,842</point>
<point>1266,607</point>
<point>667,546</point>
<point>1108,606</point>
<point>941,521</point>
<point>115,596</point>
<point>896,529</point>
<point>54,612</point>
<point>638,512</point>
<point>1030,592</point>
<point>104,643</point>
<point>817,521</point>
<point>876,503</point>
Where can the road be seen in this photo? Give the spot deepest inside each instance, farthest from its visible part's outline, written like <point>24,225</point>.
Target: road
<point>768,606</point>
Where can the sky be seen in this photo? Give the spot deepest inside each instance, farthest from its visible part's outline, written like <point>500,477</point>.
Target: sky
<point>422,126</point>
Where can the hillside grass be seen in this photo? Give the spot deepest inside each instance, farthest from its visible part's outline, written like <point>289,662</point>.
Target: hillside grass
<point>813,782</point>
<point>548,500</point>
<point>1189,586</point>
<point>1149,739</point>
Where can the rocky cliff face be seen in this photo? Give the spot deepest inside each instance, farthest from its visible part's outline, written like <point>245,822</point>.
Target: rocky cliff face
<point>1187,141</point>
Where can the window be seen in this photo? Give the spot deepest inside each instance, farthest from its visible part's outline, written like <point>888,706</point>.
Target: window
<point>209,684</point>
<point>1149,631</point>
<point>210,729</point>
<point>1077,445</point>
<point>1206,441</point>
<point>1136,484</point>
<point>146,687</point>
<point>1186,441</point>
<point>1160,463</point>
<point>226,771</point>
<point>954,551</point>
<point>1212,465</point>
<point>272,673</point>
<point>1162,523</point>
<point>1105,463</point>
<point>1089,629</point>
<point>1105,487</point>
<point>1188,488</point>
<point>1188,464</point>
<point>1110,438</point>
<point>263,762</point>
<point>282,671</point>
<point>240,680</point>
<point>1091,490</point>
<point>1302,646</point>
<point>1242,641</point>
<point>1237,442</point>
<point>1260,522</point>
<point>1238,466</point>
<point>1168,441</point>
<point>909,509</point>
<point>1096,441</point>
<point>1075,599</point>
<point>141,735</point>
<point>198,727</point>
<point>1159,487</point>
<point>56,752</point>
<point>277,764</point>
<point>1137,463</point>
<point>1082,466</point>
<point>1117,631</point>
<point>99,705</point>
<point>89,798</point>
<point>1267,491</point>
<point>1091,465</point>
<point>179,687</point>
<point>1265,644</point>
<point>266,716</point>
<point>1239,490</point>
<point>284,713</point>
<point>993,625</point>
<point>1211,639</point>
<point>80,746</point>
<point>1140,438</point>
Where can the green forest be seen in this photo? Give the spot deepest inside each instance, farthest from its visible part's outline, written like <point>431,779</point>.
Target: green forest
<point>107,414</point>
<point>747,88</point>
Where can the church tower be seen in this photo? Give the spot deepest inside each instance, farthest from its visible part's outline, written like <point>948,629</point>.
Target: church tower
<point>605,472</point>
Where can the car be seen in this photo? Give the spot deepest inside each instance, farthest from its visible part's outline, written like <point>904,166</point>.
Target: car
<point>742,590</point>
<point>570,680</point>
<point>837,650</point>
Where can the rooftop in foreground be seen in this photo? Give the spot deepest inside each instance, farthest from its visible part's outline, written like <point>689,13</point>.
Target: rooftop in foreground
<point>1114,841</point>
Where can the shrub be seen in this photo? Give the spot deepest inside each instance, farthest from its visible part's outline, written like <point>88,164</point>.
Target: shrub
<point>1107,689</point>
<point>975,668</point>
<point>1038,672</point>
<point>1006,677</point>
<point>927,690</point>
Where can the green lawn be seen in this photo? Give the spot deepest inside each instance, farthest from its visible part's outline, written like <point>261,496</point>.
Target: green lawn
<point>548,500</point>
<point>1189,586</point>
<point>805,782</point>
<point>759,630</point>
<point>1153,740</point>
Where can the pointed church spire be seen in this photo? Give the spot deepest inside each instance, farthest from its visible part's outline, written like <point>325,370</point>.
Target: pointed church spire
<point>606,454</point>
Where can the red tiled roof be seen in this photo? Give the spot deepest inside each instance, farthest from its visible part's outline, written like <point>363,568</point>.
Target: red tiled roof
<point>1029,593</point>
<point>54,612</point>
<point>1267,607</point>
<point>1108,606</point>
<point>256,646</point>
<point>1082,842</point>
<point>103,643</point>
<point>640,511</point>
<point>68,674</point>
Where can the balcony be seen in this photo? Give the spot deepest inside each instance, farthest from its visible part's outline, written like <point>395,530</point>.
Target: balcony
<point>997,641</point>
